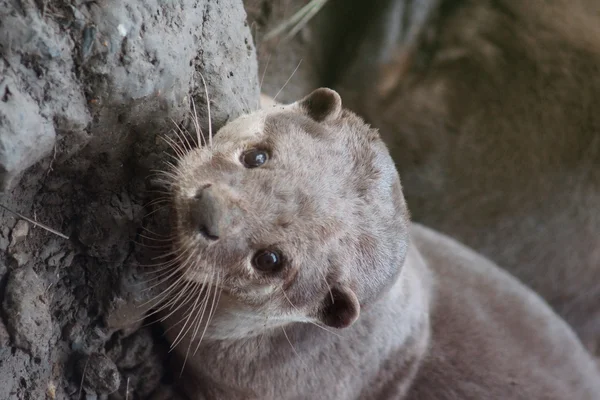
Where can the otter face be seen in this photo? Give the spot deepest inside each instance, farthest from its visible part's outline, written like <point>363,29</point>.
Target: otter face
<point>294,214</point>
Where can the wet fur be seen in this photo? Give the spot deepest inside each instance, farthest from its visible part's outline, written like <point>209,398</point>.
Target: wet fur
<point>415,315</point>
<point>491,114</point>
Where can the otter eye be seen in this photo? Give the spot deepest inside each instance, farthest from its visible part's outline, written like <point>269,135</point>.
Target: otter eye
<point>266,260</point>
<point>254,158</point>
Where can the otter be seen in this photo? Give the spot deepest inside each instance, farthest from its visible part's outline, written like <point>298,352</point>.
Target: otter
<point>490,110</point>
<point>299,275</point>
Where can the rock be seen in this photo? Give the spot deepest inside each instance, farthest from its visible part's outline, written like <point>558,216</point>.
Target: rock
<point>4,239</point>
<point>25,136</point>
<point>27,315</point>
<point>124,316</point>
<point>91,85</point>
<point>4,336</point>
<point>20,258</point>
<point>136,350</point>
<point>19,232</point>
<point>100,374</point>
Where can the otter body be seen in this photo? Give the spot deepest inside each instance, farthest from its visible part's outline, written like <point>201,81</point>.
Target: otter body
<point>299,275</point>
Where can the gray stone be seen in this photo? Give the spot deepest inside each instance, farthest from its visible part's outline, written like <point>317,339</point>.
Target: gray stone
<point>27,315</point>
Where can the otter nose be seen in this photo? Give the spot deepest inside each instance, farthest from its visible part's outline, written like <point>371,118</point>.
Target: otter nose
<point>207,213</point>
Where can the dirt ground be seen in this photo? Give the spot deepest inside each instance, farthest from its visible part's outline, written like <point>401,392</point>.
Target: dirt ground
<point>86,90</point>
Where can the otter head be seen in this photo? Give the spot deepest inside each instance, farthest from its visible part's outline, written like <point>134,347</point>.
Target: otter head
<point>293,214</point>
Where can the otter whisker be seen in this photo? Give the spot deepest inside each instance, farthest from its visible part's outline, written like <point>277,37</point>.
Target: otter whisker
<point>150,246</point>
<point>173,145</point>
<point>308,321</point>
<point>292,346</point>
<point>158,204</point>
<point>152,243</point>
<point>207,289</point>
<point>178,142</point>
<point>157,209</point>
<point>153,269</point>
<point>326,283</point>
<point>156,311</point>
<point>158,195</point>
<point>157,299</point>
<point>174,272</point>
<point>181,133</point>
<point>164,279</point>
<point>266,320</point>
<point>160,174</point>
<point>173,167</point>
<point>187,353</point>
<point>203,143</point>
<point>157,200</point>
<point>166,241</point>
<point>177,147</point>
<point>172,173</point>
<point>188,318</point>
<point>196,123</point>
<point>158,273</point>
<point>262,78</point>
<point>203,304</point>
<point>174,306</point>
<point>161,280</point>
<point>288,80</point>
<point>145,228</point>
<point>208,108</point>
<point>160,264</point>
<point>162,181</point>
<point>195,323</point>
<point>174,285</point>
<point>183,138</point>
<point>165,255</point>
<point>215,302</point>
<point>156,191</point>
<point>186,290</point>
<point>325,329</point>
<point>199,318</point>
<point>193,292</point>
<point>174,158</point>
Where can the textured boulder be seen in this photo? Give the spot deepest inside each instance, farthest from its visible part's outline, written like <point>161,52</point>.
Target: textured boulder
<point>86,91</point>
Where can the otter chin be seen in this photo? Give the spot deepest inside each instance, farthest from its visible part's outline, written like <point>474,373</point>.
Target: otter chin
<point>298,274</point>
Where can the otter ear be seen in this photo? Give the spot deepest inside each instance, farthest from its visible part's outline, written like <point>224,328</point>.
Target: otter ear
<point>340,308</point>
<point>322,105</point>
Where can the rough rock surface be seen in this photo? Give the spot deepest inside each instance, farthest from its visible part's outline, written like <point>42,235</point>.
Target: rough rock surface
<point>86,91</point>
<point>27,314</point>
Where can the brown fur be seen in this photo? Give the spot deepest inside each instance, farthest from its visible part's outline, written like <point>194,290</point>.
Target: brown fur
<point>491,115</point>
<point>366,305</point>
